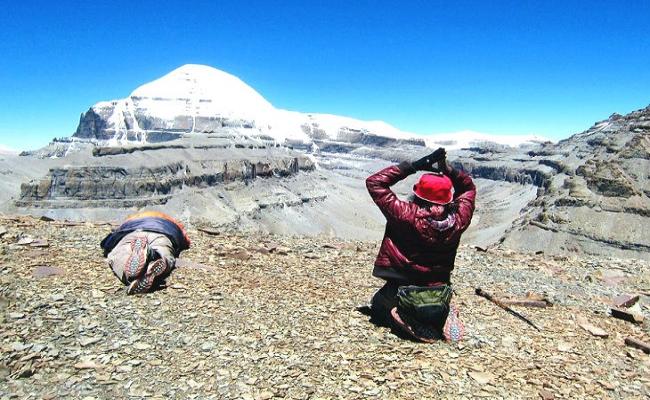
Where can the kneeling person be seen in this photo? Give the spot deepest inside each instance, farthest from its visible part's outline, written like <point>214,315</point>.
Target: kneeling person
<point>418,251</point>
<point>143,250</point>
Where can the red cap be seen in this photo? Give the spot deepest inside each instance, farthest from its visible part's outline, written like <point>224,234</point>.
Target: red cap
<point>434,188</point>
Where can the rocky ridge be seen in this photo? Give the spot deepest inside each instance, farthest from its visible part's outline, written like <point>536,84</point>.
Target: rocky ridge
<point>597,195</point>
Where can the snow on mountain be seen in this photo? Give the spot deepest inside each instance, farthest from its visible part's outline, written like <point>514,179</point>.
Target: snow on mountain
<point>468,138</point>
<point>199,90</point>
<point>4,150</point>
<point>198,99</point>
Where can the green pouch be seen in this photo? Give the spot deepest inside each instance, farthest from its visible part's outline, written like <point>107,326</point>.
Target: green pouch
<point>427,305</point>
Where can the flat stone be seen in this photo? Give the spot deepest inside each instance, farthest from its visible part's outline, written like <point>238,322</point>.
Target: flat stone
<point>25,241</point>
<point>612,277</point>
<point>481,377</point>
<point>44,271</point>
<point>638,344</point>
<point>209,231</point>
<point>87,365</point>
<point>625,300</point>
<point>594,330</point>
<point>142,346</point>
<point>88,341</point>
<point>17,346</point>
<point>265,395</point>
<point>207,346</point>
<point>41,243</point>
<point>627,315</point>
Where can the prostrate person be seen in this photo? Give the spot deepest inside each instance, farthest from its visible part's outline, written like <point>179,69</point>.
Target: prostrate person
<point>418,251</point>
<point>143,250</point>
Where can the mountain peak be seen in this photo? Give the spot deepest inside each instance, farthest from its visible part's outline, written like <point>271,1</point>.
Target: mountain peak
<point>202,90</point>
<point>197,68</point>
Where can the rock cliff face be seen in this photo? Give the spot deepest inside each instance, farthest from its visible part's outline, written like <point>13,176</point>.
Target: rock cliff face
<point>593,188</point>
<point>115,186</point>
<point>137,176</point>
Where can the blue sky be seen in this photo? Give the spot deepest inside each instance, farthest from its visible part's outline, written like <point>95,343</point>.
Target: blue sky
<point>512,67</point>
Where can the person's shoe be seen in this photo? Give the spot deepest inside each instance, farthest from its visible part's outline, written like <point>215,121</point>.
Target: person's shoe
<point>454,329</point>
<point>155,269</point>
<point>136,287</point>
<point>422,332</point>
<point>137,261</point>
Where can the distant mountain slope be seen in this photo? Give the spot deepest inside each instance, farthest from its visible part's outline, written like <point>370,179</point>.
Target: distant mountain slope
<point>595,194</point>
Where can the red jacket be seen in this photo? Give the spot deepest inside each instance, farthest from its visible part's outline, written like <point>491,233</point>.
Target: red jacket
<point>419,245</point>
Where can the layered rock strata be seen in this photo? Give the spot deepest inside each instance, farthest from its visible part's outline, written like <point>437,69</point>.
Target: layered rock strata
<point>146,175</point>
<point>594,188</point>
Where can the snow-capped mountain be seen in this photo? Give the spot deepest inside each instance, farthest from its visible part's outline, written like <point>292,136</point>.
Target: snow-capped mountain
<point>198,99</point>
<point>231,158</point>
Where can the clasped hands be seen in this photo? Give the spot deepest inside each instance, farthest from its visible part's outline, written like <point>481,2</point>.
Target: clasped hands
<point>426,163</point>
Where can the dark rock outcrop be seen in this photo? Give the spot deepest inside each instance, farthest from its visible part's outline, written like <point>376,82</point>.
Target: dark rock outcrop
<point>123,182</point>
<point>92,126</point>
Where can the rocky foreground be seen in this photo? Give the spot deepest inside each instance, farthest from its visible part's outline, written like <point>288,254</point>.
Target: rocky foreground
<point>260,317</point>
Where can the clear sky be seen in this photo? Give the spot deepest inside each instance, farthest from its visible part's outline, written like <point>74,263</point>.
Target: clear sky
<point>511,67</point>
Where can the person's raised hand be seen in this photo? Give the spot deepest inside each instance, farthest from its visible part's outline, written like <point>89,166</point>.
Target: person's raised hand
<point>443,166</point>
<point>426,163</point>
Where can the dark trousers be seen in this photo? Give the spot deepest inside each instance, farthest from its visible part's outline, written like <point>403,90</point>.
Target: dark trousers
<point>382,302</point>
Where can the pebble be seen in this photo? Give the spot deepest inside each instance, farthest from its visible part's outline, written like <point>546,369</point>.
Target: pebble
<point>207,346</point>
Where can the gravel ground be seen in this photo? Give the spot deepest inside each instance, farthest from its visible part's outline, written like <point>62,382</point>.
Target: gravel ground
<point>260,317</point>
